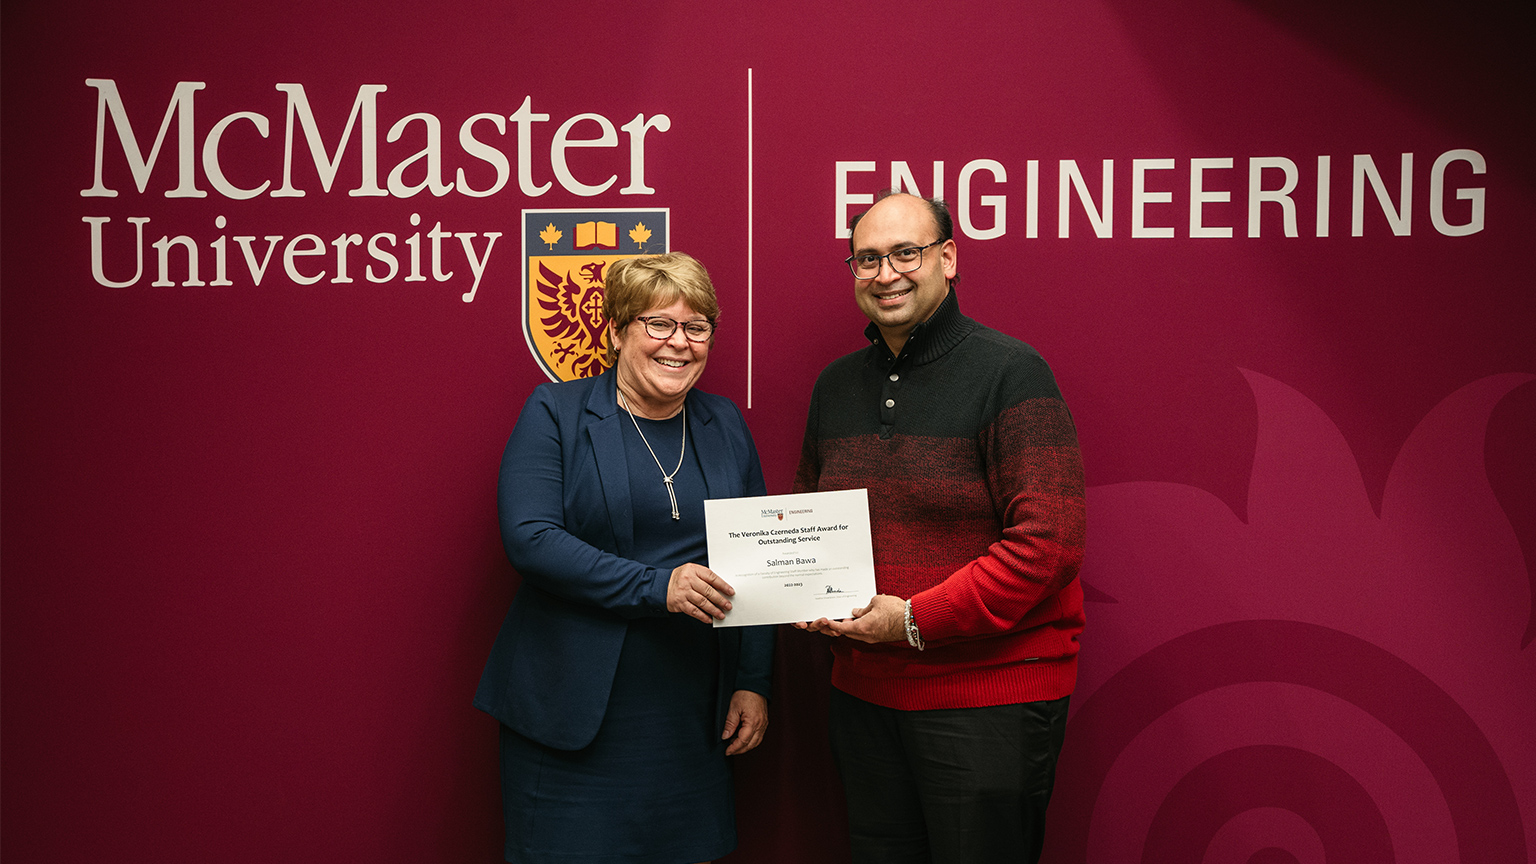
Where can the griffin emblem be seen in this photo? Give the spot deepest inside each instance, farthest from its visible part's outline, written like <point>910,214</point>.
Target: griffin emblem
<point>573,318</point>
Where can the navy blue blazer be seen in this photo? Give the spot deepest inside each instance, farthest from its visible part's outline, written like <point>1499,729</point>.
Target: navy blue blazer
<point>568,527</point>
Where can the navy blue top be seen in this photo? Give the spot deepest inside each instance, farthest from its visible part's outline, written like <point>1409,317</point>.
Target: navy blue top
<point>659,540</point>
<point>677,654</point>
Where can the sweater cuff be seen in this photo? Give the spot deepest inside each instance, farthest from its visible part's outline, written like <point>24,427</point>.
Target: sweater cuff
<point>933,614</point>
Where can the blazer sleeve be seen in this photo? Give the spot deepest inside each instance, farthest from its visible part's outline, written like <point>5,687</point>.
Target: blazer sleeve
<point>554,521</point>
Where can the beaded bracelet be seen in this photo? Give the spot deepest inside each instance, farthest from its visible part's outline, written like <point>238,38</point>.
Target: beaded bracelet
<point>914,638</point>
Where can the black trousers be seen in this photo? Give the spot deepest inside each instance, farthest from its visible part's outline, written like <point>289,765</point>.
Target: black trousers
<point>948,786</point>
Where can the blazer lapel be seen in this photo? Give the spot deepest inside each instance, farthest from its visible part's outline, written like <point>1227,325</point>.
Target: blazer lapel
<point>712,449</point>
<point>612,468</point>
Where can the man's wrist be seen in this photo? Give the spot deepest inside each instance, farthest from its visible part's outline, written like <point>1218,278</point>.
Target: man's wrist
<point>909,625</point>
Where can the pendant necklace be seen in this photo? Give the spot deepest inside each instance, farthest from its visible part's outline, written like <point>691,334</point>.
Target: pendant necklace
<point>665,477</point>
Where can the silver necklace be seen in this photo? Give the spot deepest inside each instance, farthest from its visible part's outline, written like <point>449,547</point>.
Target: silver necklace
<point>665,477</point>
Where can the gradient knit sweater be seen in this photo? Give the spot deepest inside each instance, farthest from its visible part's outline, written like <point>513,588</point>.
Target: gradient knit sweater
<point>976,507</point>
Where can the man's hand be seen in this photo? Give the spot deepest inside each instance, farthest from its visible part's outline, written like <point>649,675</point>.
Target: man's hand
<point>747,720</point>
<point>883,620</point>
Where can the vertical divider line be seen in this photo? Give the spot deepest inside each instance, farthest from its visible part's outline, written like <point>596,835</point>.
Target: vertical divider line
<point>749,238</point>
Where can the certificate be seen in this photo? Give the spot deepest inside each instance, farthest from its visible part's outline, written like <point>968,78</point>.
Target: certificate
<point>792,557</point>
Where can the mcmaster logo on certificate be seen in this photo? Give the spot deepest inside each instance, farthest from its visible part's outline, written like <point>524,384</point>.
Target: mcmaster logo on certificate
<point>792,557</point>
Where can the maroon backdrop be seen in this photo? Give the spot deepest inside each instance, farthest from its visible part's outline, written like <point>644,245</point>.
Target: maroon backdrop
<point>1278,255</point>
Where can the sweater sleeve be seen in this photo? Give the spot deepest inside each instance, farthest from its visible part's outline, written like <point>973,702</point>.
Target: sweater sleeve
<point>1035,474</point>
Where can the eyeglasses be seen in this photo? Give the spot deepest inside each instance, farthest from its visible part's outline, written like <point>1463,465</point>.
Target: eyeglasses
<point>903,260</point>
<point>663,328</point>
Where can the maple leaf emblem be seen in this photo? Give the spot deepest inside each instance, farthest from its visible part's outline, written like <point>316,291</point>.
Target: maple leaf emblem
<point>640,234</point>
<point>574,319</point>
<point>550,235</point>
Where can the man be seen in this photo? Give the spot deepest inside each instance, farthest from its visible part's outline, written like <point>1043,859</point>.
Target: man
<point>950,687</point>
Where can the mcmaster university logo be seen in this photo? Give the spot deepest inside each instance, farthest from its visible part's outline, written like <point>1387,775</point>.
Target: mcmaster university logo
<point>567,254</point>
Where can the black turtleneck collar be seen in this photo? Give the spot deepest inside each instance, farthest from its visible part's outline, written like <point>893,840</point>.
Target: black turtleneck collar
<point>931,339</point>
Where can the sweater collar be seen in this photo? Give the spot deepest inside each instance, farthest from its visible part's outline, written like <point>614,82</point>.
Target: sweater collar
<point>931,339</point>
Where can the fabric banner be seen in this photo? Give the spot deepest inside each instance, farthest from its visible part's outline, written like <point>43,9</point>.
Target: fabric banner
<point>278,278</point>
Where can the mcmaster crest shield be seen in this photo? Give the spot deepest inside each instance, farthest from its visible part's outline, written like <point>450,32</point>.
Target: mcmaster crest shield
<point>566,255</point>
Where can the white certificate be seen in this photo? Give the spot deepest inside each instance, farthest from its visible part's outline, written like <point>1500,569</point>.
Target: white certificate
<point>792,557</point>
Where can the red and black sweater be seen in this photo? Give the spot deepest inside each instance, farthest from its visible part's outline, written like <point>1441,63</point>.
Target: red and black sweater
<point>976,508</point>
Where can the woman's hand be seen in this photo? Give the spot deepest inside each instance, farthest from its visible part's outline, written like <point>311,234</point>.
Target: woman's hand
<point>697,591</point>
<point>747,720</point>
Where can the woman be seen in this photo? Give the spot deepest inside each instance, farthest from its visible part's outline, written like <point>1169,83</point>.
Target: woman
<point>618,701</point>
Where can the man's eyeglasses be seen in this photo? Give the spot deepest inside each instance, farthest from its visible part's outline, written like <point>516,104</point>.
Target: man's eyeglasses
<point>663,328</point>
<point>903,260</point>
